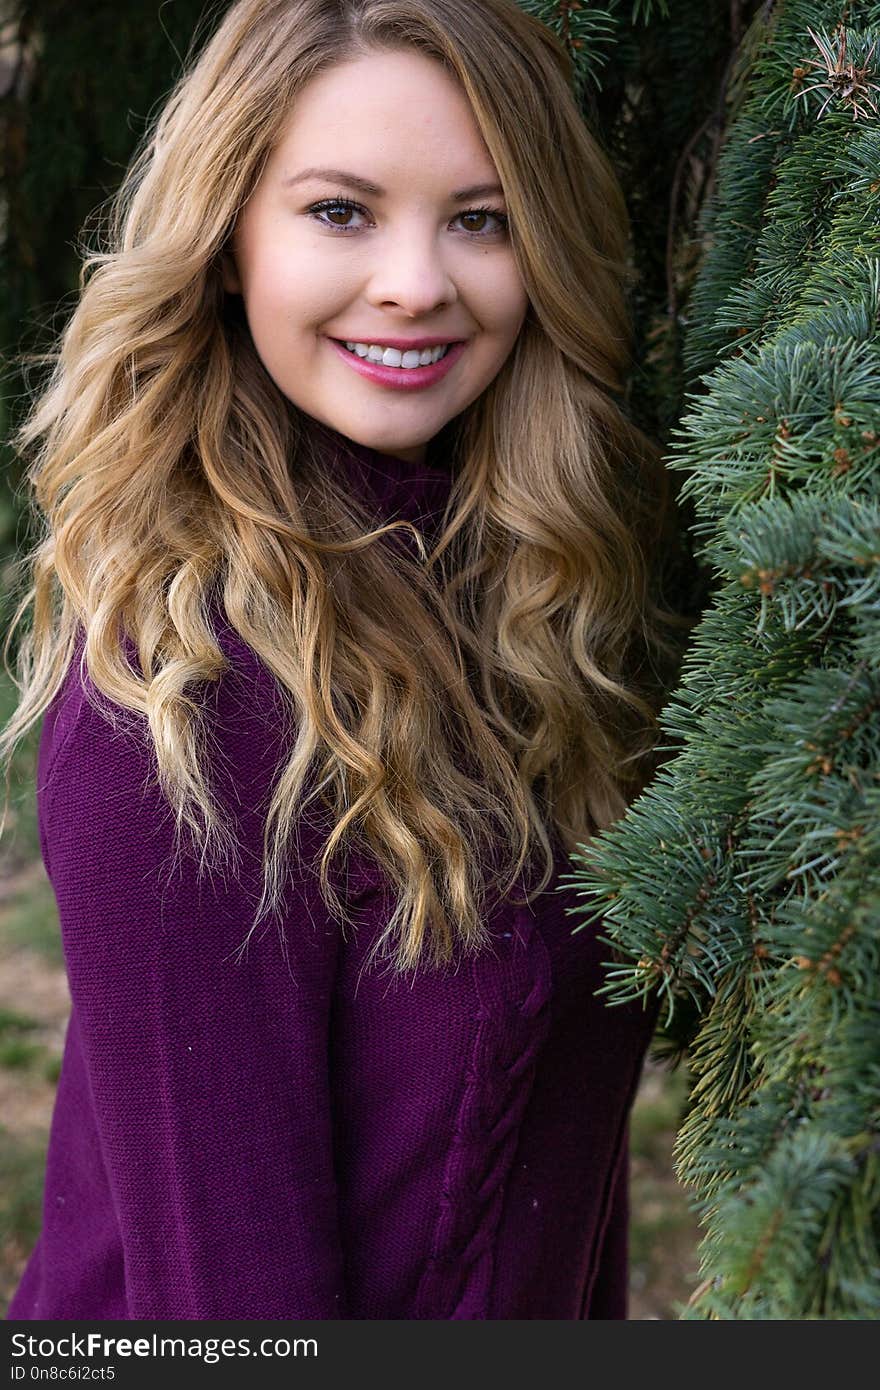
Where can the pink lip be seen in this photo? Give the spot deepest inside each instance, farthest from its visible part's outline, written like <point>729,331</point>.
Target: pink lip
<point>399,377</point>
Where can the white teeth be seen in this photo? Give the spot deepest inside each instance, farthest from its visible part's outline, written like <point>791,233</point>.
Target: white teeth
<point>393,357</point>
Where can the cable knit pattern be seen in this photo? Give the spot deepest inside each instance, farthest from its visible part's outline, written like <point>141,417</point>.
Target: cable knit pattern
<point>293,1135</point>
<point>494,1098</point>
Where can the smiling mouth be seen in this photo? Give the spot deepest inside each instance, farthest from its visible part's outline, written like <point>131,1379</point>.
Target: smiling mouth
<point>401,376</point>
<point>399,366</point>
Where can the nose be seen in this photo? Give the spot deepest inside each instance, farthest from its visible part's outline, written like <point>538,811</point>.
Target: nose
<point>410,274</point>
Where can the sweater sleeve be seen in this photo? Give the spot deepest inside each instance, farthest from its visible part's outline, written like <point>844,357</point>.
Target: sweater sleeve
<point>207,1070</point>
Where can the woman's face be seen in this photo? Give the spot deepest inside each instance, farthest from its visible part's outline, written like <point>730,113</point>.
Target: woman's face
<point>412,262</point>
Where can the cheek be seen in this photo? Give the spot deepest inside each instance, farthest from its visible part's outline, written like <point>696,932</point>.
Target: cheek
<point>282,321</point>
<point>279,278</point>
<point>298,292</point>
<point>269,280</point>
<point>502,297</point>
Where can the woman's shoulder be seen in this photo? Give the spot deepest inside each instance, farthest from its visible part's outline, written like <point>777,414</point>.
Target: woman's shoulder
<point>85,732</point>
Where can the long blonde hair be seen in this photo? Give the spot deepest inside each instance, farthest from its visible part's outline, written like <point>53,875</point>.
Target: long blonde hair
<point>166,465</point>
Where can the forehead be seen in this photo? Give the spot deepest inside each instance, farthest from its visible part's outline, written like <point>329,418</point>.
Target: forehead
<point>391,115</point>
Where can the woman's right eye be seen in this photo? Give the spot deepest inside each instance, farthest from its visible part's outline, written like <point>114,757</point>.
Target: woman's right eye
<point>334,205</point>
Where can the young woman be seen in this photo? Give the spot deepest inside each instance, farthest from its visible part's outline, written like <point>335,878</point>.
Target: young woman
<point>344,636</point>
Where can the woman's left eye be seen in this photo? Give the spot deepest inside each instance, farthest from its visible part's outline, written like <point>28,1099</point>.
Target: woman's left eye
<point>335,205</point>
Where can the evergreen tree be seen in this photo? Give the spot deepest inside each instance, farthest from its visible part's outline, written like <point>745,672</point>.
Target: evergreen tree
<point>745,883</point>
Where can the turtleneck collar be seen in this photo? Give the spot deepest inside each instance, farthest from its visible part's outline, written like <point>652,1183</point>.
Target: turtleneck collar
<point>398,488</point>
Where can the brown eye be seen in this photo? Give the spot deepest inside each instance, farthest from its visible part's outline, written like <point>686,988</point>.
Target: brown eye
<point>335,208</point>
<point>495,214</point>
<point>478,215</point>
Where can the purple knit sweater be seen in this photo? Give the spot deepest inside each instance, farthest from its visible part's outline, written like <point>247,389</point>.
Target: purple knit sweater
<point>278,1139</point>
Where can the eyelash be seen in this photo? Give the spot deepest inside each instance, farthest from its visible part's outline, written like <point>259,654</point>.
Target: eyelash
<point>342,202</point>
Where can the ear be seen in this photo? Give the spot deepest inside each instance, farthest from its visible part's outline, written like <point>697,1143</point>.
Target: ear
<point>229,273</point>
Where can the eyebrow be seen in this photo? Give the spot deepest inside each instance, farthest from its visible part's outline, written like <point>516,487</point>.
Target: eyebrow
<point>463,195</point>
